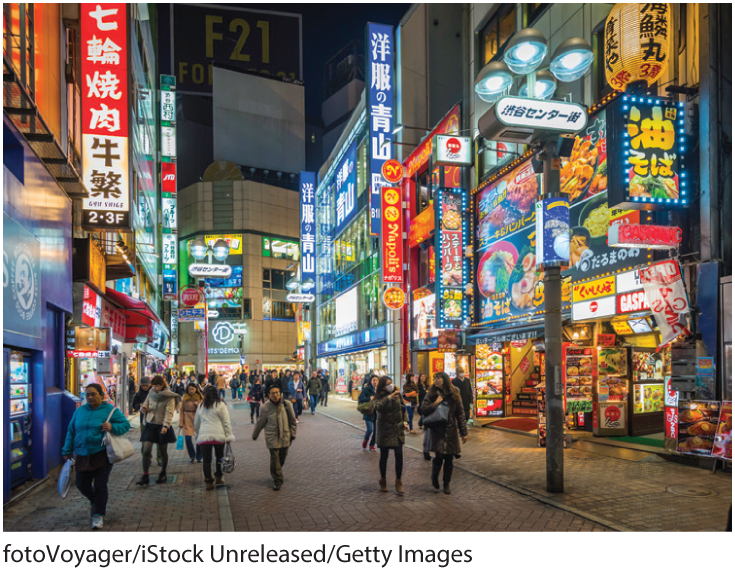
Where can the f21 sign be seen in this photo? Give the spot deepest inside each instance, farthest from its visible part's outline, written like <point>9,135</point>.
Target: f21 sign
<point>105,116</point>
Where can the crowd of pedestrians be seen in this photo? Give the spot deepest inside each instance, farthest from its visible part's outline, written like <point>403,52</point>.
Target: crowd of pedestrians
<point>277,399</point>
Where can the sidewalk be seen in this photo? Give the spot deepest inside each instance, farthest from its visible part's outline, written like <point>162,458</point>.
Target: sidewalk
<point>621,489</point>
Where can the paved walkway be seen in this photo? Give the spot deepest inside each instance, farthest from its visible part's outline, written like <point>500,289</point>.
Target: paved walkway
<point>331,484</point>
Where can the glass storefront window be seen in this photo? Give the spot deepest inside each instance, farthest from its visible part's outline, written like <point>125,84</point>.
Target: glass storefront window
<point>496,32</point>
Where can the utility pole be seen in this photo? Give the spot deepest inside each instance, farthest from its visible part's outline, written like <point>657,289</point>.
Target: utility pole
<point>553,333</point>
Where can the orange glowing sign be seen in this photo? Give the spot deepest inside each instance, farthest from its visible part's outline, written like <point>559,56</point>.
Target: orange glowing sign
<point>392,171</point>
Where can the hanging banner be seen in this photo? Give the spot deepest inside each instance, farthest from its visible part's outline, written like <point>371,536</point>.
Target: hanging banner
<point>105,117</point>
<point>307,186</point>
<point>453,268</point>
<point>667,297</point>
<point>392,235</point>
<point>379,76</point>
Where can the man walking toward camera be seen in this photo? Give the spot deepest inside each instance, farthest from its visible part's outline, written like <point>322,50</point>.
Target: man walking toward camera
<point>278,421</point>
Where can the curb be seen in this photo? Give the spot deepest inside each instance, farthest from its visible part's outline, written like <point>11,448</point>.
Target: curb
<point>519,490</point>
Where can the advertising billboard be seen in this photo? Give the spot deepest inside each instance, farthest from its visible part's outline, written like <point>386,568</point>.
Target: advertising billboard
<point>391,236</point>
<point>423,315</point>
<point>307,185</point>
<point>346,313</point>
<point>453,269</point>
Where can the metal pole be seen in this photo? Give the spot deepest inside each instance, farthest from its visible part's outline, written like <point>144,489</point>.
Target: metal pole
<point>553,332</point>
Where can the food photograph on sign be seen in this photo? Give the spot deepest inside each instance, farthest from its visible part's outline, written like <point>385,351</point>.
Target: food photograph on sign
<point>424,314</point>
<point>584,180</point>
<point>697,428</point>
<point>450,259</point>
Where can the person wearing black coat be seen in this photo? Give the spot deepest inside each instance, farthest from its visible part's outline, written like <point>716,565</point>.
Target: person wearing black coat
<point>324,393</point>
<point>464,385</point>
<point>391,424</point>
<point>368,394</point>
<point>140,396</point>
<point>444,439</point>
<point>255,396</point>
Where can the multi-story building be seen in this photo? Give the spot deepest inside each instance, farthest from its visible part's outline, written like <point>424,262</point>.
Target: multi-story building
<point>249,314</point>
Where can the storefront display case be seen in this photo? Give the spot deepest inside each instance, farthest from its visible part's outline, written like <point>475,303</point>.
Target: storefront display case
<point>489,382</point>
<point>612,388</point>
<point>649,369</point>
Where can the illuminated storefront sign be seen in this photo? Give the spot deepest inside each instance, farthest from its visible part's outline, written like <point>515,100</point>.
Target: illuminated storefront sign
<point>420,156</point>
<point>307,184</point>
<point>451,150</point>
<point>453,269</point>
<point>346,312</point>
<point>392,235</point>
<point>648,237</point>
<point>105,110</point>
<point>170,285</point>
<point>168,211</point>
<point>170,249</point>
<point>392,171</point>
<point>541,114</point>
<point>649,145</point>
<point>381,90</point>
<point>422,226</point>
<point>594,289</point>
<point>168,177</point>
<point>210,271</point>
<point>300,297</point>
<point>345,189</point>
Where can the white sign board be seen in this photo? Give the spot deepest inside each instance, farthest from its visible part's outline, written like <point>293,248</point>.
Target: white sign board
<point>346,318</point>
<point>541,114</point>
<point>450,150</point>
<point>210,271</point>
<point>300,297</point>
<point>594,309</point>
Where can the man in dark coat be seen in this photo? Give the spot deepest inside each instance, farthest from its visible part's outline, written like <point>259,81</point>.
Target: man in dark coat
<point>464,385</point>
<point>324,394</point>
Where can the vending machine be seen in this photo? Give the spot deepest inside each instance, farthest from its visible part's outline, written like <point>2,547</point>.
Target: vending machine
<point>17,379</point>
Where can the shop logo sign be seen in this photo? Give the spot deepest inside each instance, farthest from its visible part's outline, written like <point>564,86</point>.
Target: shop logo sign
<point>223,333</point>
<point>23,280</point>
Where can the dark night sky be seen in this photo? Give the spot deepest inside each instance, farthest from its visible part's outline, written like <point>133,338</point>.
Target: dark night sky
<point>326,29</point>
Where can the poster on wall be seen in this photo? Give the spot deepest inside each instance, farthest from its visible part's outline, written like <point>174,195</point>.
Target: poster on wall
<point>508,284</point>
<point>723,438</point>
<point>697,428</point>
<point>424,314</point>
<point>453,269</point>
<point>584,180</point>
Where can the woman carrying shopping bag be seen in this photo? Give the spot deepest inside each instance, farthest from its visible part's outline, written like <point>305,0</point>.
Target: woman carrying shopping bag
<point>192,397</point>
<point>159,410</point>
<point>213,430</point>
<point>443,438</point>
<point>84,440</point>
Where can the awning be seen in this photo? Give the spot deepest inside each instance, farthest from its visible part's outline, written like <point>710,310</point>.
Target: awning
<point>339,352</point>
<point>140,316</point>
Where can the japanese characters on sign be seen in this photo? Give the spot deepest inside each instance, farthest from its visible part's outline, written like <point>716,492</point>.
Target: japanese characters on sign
<point>379,76</point>
<point>307,184</point>
<point>636,43</point>
<point>170,249</point>
<point>170,285</point>
<point>647,237</point>
<point>345,189</point>
<point>168,210</point>
<point>552,232</point>
<point>541,114</point>
<point>453,269</point>
<point>105,116</point>
<point>174,327</point>
<point>584,179</point>
<point>508,284</point>
<point>667,296</point>
<point>452,150</point>
<point>649,145</point>
<point>392,235</point>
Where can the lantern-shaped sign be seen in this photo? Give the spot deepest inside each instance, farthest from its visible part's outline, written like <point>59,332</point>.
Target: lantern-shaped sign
<point>636,43</point>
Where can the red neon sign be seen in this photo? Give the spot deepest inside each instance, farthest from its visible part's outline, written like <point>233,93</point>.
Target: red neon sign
<point>643,236</point>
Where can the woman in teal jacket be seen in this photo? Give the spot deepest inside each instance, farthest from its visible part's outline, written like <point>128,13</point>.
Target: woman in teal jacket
<point>84,440</point>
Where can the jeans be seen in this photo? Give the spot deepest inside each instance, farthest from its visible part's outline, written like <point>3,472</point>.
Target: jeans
<point>221,393</point>
<point>254,409</point>
<point>323,397</point>
<point>147,452</point>
<point>313,400</point>
<point>298,407</point>
<point>384,452</point>
<point>410,409</point>
<point>448,461</point>
<point>370,429</point>
<point>278,459</point>
<point>193,452</point>
<point>234,393</point>
<point>93,486</point>
<point>219,452</point>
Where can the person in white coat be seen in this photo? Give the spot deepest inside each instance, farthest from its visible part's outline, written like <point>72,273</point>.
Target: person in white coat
<point>213,430</point>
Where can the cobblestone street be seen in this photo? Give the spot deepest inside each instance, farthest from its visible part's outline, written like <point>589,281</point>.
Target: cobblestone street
<point>331,483</point>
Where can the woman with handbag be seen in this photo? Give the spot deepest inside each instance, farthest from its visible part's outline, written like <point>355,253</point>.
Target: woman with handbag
<point>84,440</point>
<point>391,425</point>
<point>369,416</point>
<point>213,430</point>
<point>159,408</point>
<point>192,397</point>
<point>411,396</point>
<point>441,426</point>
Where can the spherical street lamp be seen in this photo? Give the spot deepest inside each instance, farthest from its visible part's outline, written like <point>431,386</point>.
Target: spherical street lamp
<point>572,59</point>
<point>545,86</point>
<point>492,80</point>
<point>525,51</point>
<point>221,250</point>
<point>198,249</point>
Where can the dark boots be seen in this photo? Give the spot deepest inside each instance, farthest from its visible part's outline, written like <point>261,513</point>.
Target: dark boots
<point>436,466</point>
<point>144,480</point>
<point>448,469</point>
<point>162,478</point>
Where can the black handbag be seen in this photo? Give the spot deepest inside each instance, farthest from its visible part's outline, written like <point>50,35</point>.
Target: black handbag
<point>438,418</point>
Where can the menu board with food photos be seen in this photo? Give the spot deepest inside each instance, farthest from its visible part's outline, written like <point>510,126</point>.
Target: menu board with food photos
<point>578,379</point>
<point>507,281</point>
<point>450,260</point>
<point>584,179</point>
<point>612,371</point>
<point>723,438</point>
<point>697,427</point>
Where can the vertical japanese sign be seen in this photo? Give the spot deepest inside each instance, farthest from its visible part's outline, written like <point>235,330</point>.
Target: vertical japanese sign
<point>105,117</point>
<point>453,270</point>
<point>380,112</point>
<point>169,210</point>
<point>392,235</point>
<point>345,189</point>
<point>307,186</point>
